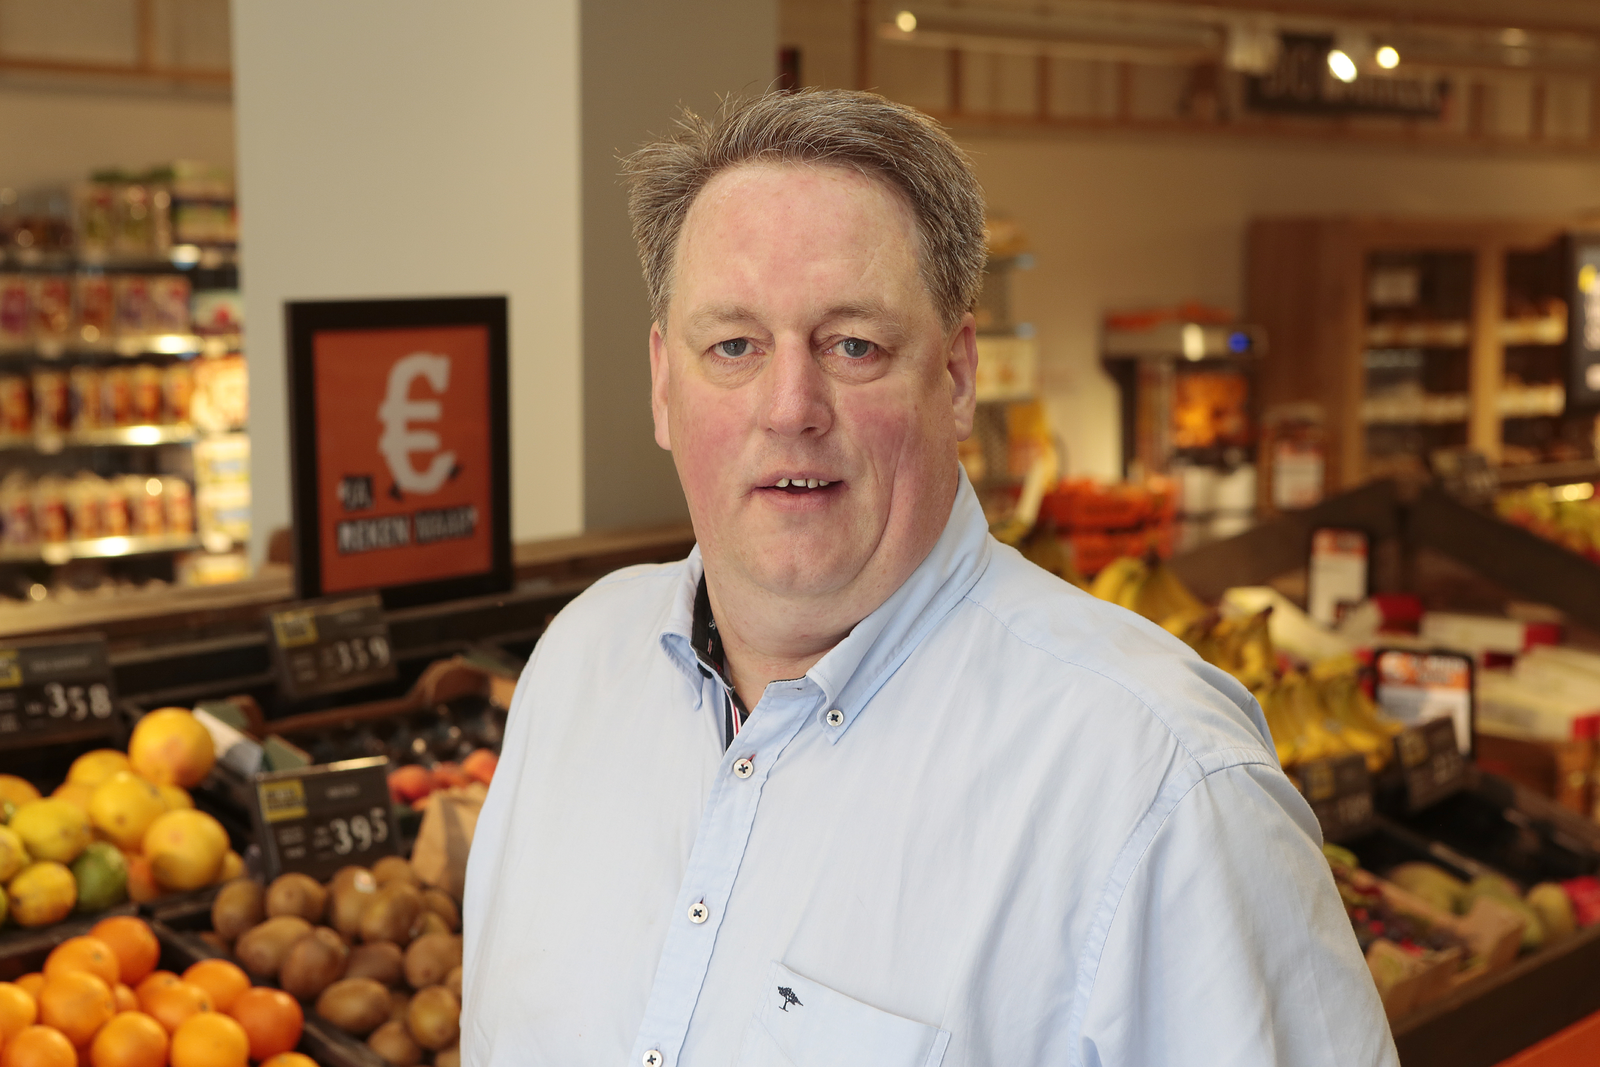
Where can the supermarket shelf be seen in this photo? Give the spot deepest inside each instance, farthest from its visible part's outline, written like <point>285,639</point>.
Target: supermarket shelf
<point>151,344</point>
<point>1419,335</point>
<point>130,436</point>
<point>97,548</point>
<point>1417,408</point>
<point>1578,470</point>
<point>1549,331</point>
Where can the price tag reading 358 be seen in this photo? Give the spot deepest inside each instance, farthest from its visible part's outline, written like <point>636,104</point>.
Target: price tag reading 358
<point>55,687</point>
<point>318,819</point>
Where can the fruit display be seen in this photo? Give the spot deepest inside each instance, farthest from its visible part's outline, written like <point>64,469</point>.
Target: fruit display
<point>1569,515</point>
<point>373,952</point>
<point>120,827</point>
<point>1314,712</point>
<point>413,783</point>
<point>98,999</point>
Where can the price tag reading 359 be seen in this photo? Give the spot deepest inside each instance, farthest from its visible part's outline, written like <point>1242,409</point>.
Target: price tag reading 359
<point>326,646</point>
<point>56,687</point>
<point>317,819</point>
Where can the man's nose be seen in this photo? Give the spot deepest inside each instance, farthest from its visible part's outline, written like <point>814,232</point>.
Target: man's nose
<point>798,397</point>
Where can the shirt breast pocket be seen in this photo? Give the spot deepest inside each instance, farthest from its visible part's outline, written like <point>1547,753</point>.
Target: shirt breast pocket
<point>802,1023</point>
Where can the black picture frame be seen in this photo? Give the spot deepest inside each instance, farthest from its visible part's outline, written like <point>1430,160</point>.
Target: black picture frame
<point>305,320</point>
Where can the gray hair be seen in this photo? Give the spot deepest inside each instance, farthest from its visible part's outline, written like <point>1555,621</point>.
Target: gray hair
<point>879,138</point>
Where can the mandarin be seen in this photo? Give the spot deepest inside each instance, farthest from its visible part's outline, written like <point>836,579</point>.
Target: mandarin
<point>77,1003</point>
<point>126,998</point>
<point>18,1009</point>
<point>86,953</point>
<point>153,981</point>
<point>130,1039</point>
<point>210,1040</point>
<point>134,943</point>
<point>39,1046</point>
<point>271,1018</point>
<point>289,1059</point>
<point>223,980</point>
<point>173,1004</point>
<point>31,984</point>
<point>142,887</point>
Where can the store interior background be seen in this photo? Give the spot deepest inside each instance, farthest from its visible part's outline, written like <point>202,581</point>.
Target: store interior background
<point>423,149</point>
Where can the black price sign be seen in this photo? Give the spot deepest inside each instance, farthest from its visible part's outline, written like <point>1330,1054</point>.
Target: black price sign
<point>1339,790</point>
<point>1430,762</point>
<point>55,688</point>
<point>327,646</point>
<point>317,819</point>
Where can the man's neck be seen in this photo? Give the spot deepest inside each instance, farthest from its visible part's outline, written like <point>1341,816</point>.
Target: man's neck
<point>768,639</point>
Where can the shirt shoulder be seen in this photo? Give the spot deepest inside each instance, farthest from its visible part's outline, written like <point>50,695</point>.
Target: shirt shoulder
<point>625,603</point>
<point>1212,717</point>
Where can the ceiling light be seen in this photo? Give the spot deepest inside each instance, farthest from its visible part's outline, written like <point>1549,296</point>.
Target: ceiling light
<point>1343,67</point>
<point>1387,57</point>
<point>905,22</point>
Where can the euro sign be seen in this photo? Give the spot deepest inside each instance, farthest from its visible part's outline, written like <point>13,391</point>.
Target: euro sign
<point>398,411</point>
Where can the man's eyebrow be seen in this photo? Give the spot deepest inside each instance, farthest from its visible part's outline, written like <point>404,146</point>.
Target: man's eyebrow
<point>718,315</point>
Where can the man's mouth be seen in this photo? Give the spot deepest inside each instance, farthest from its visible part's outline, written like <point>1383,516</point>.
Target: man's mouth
<point>801,485</point>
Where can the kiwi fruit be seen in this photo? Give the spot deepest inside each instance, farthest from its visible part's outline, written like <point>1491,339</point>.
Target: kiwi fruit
<point>430,957</point>
<point>452,981</point>
<point>382,961</point>
<point>429,922</point>
<point>434,1017</point>
<point>448,1057</point>
<point>395,869</point>
<point>394,1043</point>
<point>261,949</point>
<point>391,914</point>
<point>297,894</point>
<point>355,1005</point>
<point>352,875</point>
<point>239,905</point>
<point>399,1001</point>
<point>347,903</point>
<point>313,963</point>
<point>439,902</point>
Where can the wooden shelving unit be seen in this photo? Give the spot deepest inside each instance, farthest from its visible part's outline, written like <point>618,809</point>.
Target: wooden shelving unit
<point>1310,282</point>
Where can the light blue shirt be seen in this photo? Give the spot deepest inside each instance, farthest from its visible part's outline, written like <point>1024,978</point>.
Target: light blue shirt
<point>1002,823</point>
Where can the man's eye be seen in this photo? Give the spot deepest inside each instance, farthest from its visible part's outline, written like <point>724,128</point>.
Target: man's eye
<point>732,349</point>
<point>855,347</point>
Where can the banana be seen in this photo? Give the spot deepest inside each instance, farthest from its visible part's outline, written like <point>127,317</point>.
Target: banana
<point>1162,595</point>
<point>1119,580</point>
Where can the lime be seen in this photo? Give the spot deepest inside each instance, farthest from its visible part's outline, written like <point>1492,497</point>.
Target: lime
<point>102,875</point>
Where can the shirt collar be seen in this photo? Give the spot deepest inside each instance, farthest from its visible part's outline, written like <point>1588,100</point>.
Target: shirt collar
<point>858,666</point>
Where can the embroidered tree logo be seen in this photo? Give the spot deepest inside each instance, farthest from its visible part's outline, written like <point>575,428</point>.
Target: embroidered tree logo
<point>788,998</point>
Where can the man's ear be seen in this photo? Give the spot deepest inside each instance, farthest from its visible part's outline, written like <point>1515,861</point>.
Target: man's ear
<point>658,386</point>
<point>961,361</point>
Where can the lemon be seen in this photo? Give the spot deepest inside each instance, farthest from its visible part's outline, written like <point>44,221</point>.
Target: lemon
<point>124,806</point>
<point>42,893</point>
<point>18,791</point>
<point>13,853</point>
<point>170,747</point>
<point>52,829</point>
<point>175,797</point>
<point>93,768</point>
<point>185,849</point>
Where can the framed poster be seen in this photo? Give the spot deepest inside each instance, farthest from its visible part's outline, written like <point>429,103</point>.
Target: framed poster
<point>400,456</point>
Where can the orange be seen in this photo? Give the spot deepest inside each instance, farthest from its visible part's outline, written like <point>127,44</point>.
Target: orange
<point>210,1040</point>
<point>170,747</point>
<point>126,998</point>
<point>289,1059</point>
<point>271,1018</point>
<point>31,984</point>
<point>172,1004</point>
<point>142,887</point>
<point>39,1046</point>
<point>153,981</point>
<point>130,1039</point>
<point>17,790</point>
<point>18,1009</point>
<point>134,943</point>
<point>76,1003</point>
<point>85,953</point>
<point>223,980</point>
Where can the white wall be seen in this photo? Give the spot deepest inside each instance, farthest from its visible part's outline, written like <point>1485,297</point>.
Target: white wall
<point>1122,222</point>
<point>411,148</point>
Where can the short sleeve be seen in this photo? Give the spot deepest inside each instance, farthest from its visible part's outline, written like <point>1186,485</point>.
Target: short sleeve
<point>1229,944</point>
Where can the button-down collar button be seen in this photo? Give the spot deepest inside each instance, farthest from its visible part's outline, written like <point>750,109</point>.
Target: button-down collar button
<point>743,767</point>
<point>835,717</point>
<point>698,912</point>
<point>652,1059</point>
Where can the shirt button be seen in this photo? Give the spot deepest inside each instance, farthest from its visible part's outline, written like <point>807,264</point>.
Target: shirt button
<point>743,767</point>
<point>835,717</point>
<point>698,912</point>
<point>652,1059</point>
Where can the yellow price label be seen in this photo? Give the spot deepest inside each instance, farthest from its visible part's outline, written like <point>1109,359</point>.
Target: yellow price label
<point>10,669</point>
<point>282,800</point>
<point>295,628</point>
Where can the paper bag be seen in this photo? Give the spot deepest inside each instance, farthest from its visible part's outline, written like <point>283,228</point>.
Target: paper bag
<point>440,855</point>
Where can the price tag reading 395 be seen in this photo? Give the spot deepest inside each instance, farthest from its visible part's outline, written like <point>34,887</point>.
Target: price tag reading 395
<point>55,688</point>
<point>327,646</point>
<point>317,819</point>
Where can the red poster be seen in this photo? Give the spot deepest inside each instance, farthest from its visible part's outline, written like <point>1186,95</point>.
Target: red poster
<point>404,476</point>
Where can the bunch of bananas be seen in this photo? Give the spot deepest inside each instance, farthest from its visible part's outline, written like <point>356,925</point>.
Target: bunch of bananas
<point>1312,714</point>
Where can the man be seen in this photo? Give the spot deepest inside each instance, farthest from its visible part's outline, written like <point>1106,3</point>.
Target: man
<point>854,784</point>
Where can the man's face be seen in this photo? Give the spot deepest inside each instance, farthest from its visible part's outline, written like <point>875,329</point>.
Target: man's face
<point>809,393</point>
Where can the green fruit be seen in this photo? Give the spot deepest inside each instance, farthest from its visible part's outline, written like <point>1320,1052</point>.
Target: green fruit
<point>1505,892</point>
<point>102,874</point>
<point>1554,908</point>
<point>1433,884</point>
